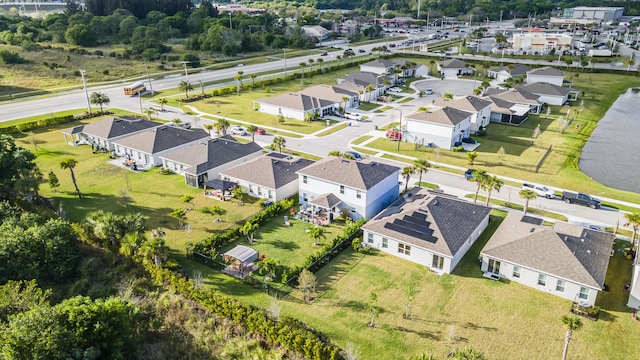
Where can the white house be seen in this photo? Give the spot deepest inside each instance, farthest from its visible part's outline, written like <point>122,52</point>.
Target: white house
<point>271,176</point>
<point>479,108</point>
<point>361,187</point>
<point>546,74</point>
<point>316,31</point>
<point>364,79</point>
<point>503,73</point>
<point>550,93</point>
<point>296,105</point>
<point>334,93</point>
<point>507,112</point>
<point>103,133</point>
<point>634,291</point>
<point>379,66</point>
<point>443,127</point>
<point>517,96</point>
<point>204,160</point>
<point>411,69</point>
<point>454,67</point>
<point>430,229</point>
<point>565,260</point>
<point>147,147</point>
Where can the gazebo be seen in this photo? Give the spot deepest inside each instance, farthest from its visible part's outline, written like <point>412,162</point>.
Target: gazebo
<point>323,208</point>
<point>240,260</point>
<point>223,186</point>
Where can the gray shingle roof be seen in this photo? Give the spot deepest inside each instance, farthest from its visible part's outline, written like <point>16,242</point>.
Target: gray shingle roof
<point>518,69</point>
<point>519,96</point>
<point>206,155</point>
<point>444,116</point>
<point>447,221</point>
<point>114,127</point>
<point>381,63</point>
<point>272,172</point>
<point>467,103</point>
<point>361,175</point>
<point>161,138</point>
<point>329,92</point>
<point>453,64</point>
<point>566,251</point>
<point>546,71</point>
<point>297,101</point>
<point>544,88</point>
<point>327,201</point>
<point>364,78</point>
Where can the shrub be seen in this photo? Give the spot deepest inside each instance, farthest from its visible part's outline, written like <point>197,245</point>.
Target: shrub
<point>186,198</point>
<point>356,244</point>
<point>457,148</point>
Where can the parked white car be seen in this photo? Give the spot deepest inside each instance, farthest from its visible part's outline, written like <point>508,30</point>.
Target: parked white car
<point>353,116</point>
<point>238,130</point>
<point>540,190</point>
<point>395,89</point>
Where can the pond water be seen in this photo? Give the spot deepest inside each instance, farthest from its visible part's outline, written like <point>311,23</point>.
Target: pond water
<point>611,156</point>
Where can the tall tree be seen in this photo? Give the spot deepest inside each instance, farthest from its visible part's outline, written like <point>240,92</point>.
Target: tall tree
<point>407,171</point>
<point>100,99</point>
<point>280,143</point>
<point>249,229</point>
<point>53,181</point>
<point>208,127</point>
<point>421,166</point>
<point>253,80</point>
<point>409,295</point>
<point>252,129</point>
<point>373,308</point>
<point>307,283</point>
<point>493,184</point>
<point>162,102</point>
<point>316,233</point>
<point>185,86</point>
<point>527,195</point>
<point>70,164</point>
<point>633,220</point>
<point>572,323</point>
<point>481,178</point>
<point>221,126</point>
<point>17,169</point>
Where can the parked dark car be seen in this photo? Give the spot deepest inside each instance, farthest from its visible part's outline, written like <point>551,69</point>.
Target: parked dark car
<point>469,140</point>
<point>355,155</point>
<point>581,199</point>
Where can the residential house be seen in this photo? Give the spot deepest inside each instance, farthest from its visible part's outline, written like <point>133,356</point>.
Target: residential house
<point>379,83</point>
<point>546,74</point>
<point>444,127</point>
<point>316,31</point>
<point>102,133</point>
<point>362,188</point>
<point>479,108</point>
<point>272,176</point>
<point>507,112</point>
<point>517,96</point>
<point>550,93</point>
<point>333,93</point>
<point>565,260</point>
<point>634,291</point>
<point>379,66</point>
<point>204,160</point>
<point>430,229</point>
<point>411,69</point>
<point>502,73</point>
<point>296,105</point>
<point>147,147</point>
<point>454,67</point>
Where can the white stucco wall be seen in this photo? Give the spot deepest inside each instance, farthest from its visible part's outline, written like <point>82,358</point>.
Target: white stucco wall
<point>443,136</point>
<point>556,80</point>
<point>553,100</point>
<point>481,118</point>
<point>286,112</point>
<point>529,277</point>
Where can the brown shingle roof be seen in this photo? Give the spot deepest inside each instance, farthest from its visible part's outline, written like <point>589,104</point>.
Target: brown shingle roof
<point>514,95</point>
<point>443,222</point>
<point>444,116</point>
<point>567,251</point>
<point>269,171</point>
<point>328,92</point>
<point>361,175</point>
<point>544,88</point>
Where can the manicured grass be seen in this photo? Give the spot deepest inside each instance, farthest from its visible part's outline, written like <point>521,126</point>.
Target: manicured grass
<point>428,185</point>
<point>40,117</point>
<point>361,139</point>
<point>269,130</point>
<point>368,106</point>
<point>392,125</point>
<point>333,129</point>
<point>364,151</point>
<point>405,100</point>
<point>383,109</point>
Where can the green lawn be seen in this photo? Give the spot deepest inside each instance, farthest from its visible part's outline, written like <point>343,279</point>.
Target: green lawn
<point>368,106</point>
<point>383,109</point>
<point>392,125</point>
<point>333,129</point>
<point>532,206</point>
<point>405,100</point>
<point>364,151</point>
<point>361,139</point>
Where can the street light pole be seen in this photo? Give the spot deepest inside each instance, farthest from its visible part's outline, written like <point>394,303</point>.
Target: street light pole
<point>230,23</point>
<point>400,130</point>
<point>148,78</point>
<point>284,50</point>
<point>86,93</point>
<point>186,73</point>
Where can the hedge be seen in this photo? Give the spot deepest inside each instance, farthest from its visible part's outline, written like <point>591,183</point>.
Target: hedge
<point>48,122</point>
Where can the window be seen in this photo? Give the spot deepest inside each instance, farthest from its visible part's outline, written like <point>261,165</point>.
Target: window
<point>516,271</point>
<point>370,238</point>
<point>584,293</point>
<point>438,262</point>
<point>259,191</point>
<point>359,194</point>
<point>305,197</point>
<point>353,209</point>
<point>404,249</point>
<point>385,243</point>
<point>304,179</point>
<point>560,286</point>
<point>341,189</point>
<point>494,266</point>
<point>542,279</point>
<point>251,188</point>
<point>271,194</point>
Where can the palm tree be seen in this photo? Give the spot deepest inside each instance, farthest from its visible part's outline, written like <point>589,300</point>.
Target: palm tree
<point>185,86</point>
<point>493,184</point>
<point>238,78</point>
<point>280,143</point>
<point>573,323</point>
<point>249,230</point>
<point>310,61</point>
<point>70,163</point>
<point>481,177</point>
<point>100,99</point>
<point>421,167</point>
<point>302,64</point>
<point>320,61</point>
<point>527,195</point>
<point>221,126</point>
<point>316,233</point>
<point>253,79</point>
<point>155,249</point>
<point>162,102</point>
<point>345,99</point>
<point>633,220</point>
<point>407,171</point>
<point>208,127</point>
<point>369,89</point>
<point>149,112</point>
<point>252,129</point>
<point>131,243</point>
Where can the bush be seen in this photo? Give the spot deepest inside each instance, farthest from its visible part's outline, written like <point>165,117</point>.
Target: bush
<point>457,148</point>
<point>186,198</point>
<point>356,244</point>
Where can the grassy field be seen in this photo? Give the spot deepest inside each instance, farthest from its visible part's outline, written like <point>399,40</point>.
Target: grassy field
<point>333,129</point>
<point>368,106</point>
<point>361,139</point>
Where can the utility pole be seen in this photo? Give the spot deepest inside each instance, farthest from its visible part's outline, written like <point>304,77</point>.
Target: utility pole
<point>230,23</point>
<point>400,130</point>
<point>418,9</point>
<point>186,73</point>
<point>284,50</point>
<point>86,93</point>
<point>501,11</point>
<point>148,78</point>
<point>428,13</point>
